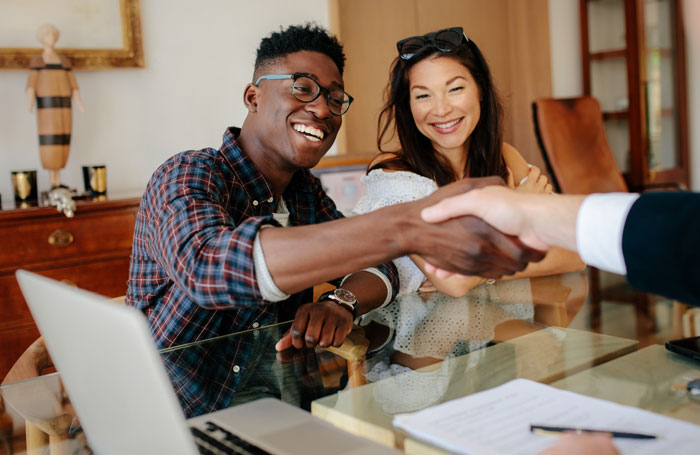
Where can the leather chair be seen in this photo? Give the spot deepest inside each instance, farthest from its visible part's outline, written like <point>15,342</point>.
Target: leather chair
<point>571,135</point>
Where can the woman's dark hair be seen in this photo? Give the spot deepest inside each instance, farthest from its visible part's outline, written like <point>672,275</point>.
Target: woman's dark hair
<point>417,154</point>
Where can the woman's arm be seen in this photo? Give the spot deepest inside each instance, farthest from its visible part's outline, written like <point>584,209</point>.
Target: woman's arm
<point>518,167</point>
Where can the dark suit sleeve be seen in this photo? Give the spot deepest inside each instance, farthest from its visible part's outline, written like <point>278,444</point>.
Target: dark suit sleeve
<point>661,245</point>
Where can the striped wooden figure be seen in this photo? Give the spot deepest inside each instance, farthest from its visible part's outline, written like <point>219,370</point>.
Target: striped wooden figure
<point>53,84</point>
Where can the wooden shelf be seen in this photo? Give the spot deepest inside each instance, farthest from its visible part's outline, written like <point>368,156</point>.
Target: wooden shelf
<point>624,114</point>
<point>664,51</point>
<point>616,115</point>
<point>608,55</point>
<point>667,112</point>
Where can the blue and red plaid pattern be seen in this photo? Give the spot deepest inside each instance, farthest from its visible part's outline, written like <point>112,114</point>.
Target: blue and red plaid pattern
<point>192,271</point>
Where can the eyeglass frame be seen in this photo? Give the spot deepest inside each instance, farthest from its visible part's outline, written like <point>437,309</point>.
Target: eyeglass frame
<point>321,89</point>
<point>429,39</point>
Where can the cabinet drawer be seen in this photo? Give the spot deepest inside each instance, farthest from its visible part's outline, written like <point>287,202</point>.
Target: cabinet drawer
<point>17,330</point>
<point>60,238</point>
<point>106,277</point>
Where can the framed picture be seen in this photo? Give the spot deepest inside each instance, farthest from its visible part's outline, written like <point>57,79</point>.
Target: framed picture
<point>343,185</point>
<point>95,34</point>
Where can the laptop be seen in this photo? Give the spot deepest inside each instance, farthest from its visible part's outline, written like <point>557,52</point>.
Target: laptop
<point>121,392</point>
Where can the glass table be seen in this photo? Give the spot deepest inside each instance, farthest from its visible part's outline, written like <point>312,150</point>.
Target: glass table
<point>418,351</point>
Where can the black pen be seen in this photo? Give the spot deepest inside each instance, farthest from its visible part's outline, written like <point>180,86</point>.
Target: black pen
<point>543,429</point>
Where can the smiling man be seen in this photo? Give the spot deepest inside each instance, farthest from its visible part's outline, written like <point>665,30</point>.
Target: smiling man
<point>235,238</point>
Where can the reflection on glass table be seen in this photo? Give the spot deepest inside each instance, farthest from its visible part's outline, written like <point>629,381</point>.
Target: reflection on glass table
<point>507,329</point>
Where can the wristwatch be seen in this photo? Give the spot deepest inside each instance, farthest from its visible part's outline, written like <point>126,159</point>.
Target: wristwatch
<point>342,297</point>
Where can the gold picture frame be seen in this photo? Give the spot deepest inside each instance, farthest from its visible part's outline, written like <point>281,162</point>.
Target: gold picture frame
<point>129,56</point>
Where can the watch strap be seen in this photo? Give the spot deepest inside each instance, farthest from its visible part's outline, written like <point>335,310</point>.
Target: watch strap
<point>329,296</point>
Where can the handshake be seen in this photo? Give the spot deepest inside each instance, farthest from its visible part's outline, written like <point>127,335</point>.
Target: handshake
<point>483,228</point>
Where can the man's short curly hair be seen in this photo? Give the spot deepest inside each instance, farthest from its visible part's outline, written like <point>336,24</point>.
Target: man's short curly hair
<point>295,38</point>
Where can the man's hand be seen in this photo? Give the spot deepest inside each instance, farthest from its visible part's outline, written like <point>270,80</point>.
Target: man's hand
<point>468,245</point>
<point>500,207</point>
<point>539,220</point>
<point>323,324</point>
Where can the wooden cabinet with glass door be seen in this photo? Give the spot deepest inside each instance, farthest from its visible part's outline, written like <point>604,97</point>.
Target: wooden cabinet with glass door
<point>634,63</point>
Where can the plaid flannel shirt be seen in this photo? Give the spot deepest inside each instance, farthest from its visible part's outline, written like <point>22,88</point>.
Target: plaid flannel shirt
<point>192,271</point>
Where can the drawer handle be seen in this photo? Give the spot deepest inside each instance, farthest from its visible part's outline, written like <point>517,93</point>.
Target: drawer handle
<point>61,238</point>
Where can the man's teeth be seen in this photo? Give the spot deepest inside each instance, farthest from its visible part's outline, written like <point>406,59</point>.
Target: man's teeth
<point>446,125</point>
<point>311,133</point>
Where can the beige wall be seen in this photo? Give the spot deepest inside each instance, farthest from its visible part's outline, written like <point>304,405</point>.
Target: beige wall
<point>199,56</point>
<point>565,48</point>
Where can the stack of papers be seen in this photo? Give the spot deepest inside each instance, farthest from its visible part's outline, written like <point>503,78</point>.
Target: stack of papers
<point>497,422</point>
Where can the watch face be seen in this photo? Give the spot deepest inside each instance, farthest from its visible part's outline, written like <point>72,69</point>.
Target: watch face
<point>345,296</point>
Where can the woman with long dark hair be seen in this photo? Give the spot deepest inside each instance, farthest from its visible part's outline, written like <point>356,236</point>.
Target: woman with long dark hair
<point>443,106</point>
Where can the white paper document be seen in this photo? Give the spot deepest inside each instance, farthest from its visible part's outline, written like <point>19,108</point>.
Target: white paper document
<point>497,422</point>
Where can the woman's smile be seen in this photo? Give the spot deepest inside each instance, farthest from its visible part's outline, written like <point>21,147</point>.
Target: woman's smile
<point>447,127</point>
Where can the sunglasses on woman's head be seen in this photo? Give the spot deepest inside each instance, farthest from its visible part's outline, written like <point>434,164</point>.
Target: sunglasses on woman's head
<point>445,40</point>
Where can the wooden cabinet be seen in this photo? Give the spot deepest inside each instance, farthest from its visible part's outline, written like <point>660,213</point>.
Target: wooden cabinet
<point>634,63</point>
<point>90,251</point>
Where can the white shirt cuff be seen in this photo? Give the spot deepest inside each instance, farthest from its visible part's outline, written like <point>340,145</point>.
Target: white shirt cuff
<point>266,284</point>
<point>385,280</point>
<point>599,226</point>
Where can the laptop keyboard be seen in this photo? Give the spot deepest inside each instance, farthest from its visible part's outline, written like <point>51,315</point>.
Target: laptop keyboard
<point>219,441</point>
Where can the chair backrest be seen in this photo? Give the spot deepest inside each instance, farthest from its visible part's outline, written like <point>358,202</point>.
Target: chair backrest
<point>575,149</point>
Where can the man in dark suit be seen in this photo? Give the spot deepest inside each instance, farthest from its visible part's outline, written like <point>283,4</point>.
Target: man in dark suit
<point>653,239</point>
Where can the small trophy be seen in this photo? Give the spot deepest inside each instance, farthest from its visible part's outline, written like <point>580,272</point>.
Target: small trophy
<point>95,179</point>
<point>24,186</point>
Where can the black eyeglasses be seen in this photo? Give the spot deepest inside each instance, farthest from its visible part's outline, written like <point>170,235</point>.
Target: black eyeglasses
<point>445,40</point>
<point>306,90</point>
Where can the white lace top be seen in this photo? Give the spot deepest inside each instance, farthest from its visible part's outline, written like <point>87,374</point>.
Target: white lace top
<point>389,188</point>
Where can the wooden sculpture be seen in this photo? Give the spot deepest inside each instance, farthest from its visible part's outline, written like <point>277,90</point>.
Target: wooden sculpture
<point>52,86</point>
